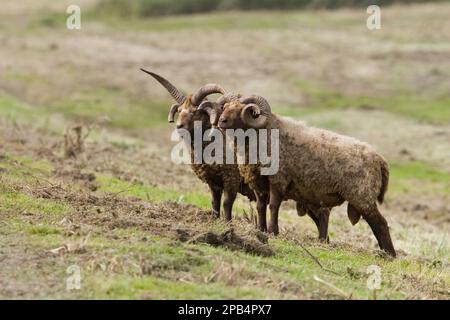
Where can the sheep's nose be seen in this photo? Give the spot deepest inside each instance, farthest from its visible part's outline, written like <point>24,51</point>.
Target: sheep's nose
<point>179,126</point>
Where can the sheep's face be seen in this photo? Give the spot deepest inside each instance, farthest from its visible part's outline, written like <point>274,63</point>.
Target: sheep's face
<point>188,115</point>
<point>231,116</point>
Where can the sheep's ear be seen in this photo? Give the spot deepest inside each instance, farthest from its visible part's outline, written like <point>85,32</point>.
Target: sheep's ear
<point>211,108</point>
<point>353,215</point>
<point>206,106</point>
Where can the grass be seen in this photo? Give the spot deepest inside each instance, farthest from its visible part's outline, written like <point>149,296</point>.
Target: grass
<point>151,193</point>
<point>131,263</point>
<point>27,173</point>
<point>417,177</point>
<point>86,106</point>
<point>14,109</point>
<point>228,21</point>
<point>121,110</point>
<point>18,202</point>
<point>425,109</point>
<point>215,21</point>
<point>23,169</point>
<point>150,287</point>
<point>161,269</point>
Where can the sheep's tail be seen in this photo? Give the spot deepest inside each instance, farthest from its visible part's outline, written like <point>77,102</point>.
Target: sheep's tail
<point>384,180</point>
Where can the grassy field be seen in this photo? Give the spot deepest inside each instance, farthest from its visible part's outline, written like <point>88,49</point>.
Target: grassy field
<point>138,226</point>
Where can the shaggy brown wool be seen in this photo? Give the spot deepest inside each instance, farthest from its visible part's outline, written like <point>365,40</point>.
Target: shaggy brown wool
<point>319,169</point>
<point>221,178</point>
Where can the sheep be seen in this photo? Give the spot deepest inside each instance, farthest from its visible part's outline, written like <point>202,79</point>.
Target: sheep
<point>220,178</point>
<point>320,216</point>
<point>319,168</point>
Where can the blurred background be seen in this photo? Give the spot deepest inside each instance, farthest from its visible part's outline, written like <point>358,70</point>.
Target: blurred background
<point>314,60</point>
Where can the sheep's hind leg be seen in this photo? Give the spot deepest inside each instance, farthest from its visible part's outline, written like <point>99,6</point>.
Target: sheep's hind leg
<point>261,207</point>
<point>228,201</point>
<point>216,197</point>
<point>380,229</point>
<point>274,205</point>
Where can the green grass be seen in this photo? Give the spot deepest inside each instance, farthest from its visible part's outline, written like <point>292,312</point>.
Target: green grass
<point>139,265</point>
<point>11,107</point>
<point>245,276</point>
<point>24,170</point>
<point>417,177</point>
<point>426,109</point>
<point>122,111</point>
<point>42,230</point>
<point>223,21</point>
<point>88,106</point>
<point>17,202</point>
<point>151,193</point>
<point>151,287</point>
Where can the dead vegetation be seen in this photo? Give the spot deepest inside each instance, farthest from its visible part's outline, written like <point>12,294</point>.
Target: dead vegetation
<point>74,141</point>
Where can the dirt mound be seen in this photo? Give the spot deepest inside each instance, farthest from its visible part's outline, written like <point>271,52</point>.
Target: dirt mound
<point>229,239</point>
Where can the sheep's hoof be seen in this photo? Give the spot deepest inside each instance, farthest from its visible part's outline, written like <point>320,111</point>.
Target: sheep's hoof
<point>215,214</point>
<point>273,230</point>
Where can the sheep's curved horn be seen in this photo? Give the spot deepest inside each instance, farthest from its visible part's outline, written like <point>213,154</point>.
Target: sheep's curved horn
<point>256,111</point>
<point>173,110</point>
<point>252,116</point>
<point>174,92</point>
<point>213,109</point>
<point>205,91</point>
<point>261,102</point>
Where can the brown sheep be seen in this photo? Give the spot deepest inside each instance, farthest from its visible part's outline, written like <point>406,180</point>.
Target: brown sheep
<point>320,216</point>
<point>221,178</point>
<point>317,167</point>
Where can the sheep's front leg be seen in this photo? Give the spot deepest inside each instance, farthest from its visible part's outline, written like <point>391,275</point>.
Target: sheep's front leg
<point>216,197</point>
<point>274,205</point>
<point>261,207</point>
<point>228,201</point>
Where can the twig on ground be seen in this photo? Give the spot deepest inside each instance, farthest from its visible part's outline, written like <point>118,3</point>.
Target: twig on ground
<point>315,259</point>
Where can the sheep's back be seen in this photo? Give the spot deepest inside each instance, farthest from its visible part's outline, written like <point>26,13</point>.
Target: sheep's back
<point>325,162</point>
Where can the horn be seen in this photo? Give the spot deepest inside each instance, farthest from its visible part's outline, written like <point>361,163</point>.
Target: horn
<point>253,116</point>
<point>228,98</point>
<point>213,109</point>
<point>205,91</point>
<point>173,110</point>
<point>174,92</point>
<point>262,103</point>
